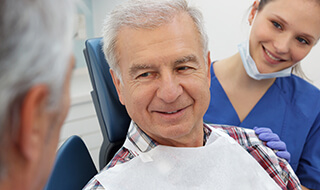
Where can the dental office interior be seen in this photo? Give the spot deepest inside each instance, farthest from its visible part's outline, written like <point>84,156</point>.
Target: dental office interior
<point>227,26</point>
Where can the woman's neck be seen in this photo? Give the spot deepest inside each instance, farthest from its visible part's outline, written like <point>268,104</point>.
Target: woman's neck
<point>231,71</point>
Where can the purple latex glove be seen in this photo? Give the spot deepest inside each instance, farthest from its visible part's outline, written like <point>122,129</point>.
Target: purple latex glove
<point>273,141</point>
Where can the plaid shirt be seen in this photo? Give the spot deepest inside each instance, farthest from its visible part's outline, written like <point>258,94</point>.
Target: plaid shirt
<point>278,169</point>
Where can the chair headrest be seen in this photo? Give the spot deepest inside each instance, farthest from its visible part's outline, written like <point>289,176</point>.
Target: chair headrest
<point>114,113</point>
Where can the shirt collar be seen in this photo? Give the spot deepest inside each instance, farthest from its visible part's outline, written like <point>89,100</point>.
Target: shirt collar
<point>139,138</point>
<point>144,143</point>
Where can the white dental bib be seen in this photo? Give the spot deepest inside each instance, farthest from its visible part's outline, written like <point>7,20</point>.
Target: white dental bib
<point>222,164</point>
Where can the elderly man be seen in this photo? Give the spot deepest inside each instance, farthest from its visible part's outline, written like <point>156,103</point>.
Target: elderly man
<point>159,60</point>
<point>35,68</point>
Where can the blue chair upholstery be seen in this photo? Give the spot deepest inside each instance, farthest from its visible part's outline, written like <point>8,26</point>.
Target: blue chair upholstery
<point>112,115</point>
<point>73,167</point>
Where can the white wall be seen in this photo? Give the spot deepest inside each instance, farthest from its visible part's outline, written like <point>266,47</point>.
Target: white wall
<point>100,9</point>
<point>227,26</point>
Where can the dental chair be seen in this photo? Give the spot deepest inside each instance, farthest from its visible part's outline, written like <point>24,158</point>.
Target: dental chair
<point>113,118</point>
<point>73,166</point>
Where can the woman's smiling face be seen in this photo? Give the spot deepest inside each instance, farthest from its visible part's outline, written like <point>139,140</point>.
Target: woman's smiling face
<point>283,33</point>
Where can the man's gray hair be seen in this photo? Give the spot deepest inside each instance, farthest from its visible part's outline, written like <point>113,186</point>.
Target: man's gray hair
<point>35,48</point>
<point>147,14</point>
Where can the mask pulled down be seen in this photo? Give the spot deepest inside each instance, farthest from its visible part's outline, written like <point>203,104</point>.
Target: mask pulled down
<point>251,67</point>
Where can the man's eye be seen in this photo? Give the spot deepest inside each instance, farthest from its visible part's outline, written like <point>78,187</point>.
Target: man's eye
<point>145,75</point>
<point>277,25</point>
<point>183,68</point>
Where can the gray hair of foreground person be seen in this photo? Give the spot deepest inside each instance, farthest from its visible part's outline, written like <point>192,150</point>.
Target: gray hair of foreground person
<point>35,48</point>
<point>146,14</point>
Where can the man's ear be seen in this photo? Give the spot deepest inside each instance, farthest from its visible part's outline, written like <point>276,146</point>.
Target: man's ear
<point>253,11</point>
<point>117,84</point>
<point>33,121</point>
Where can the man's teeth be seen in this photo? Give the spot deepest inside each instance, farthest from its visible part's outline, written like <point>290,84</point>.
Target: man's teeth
<point>276,59</point>
<point>171,112</point>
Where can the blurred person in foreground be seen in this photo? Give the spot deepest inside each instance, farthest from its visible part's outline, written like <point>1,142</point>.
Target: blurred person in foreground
<point>36,63</point>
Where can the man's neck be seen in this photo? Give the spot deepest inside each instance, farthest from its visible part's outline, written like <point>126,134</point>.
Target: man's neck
<point>193,139</point>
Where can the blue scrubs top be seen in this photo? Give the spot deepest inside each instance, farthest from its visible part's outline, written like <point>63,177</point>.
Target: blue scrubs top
<point>291,108</point>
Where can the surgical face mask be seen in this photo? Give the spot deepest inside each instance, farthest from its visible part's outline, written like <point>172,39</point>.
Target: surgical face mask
<point>251,67</point>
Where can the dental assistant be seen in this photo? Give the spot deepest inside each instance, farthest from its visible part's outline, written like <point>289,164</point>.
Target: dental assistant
<point>256,87</point>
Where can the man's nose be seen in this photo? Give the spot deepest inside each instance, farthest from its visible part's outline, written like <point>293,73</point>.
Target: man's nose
<point>169,88</point>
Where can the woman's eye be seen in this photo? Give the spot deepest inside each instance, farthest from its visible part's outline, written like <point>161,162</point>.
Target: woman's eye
<point>277,25</point>
<point>302,40</point>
